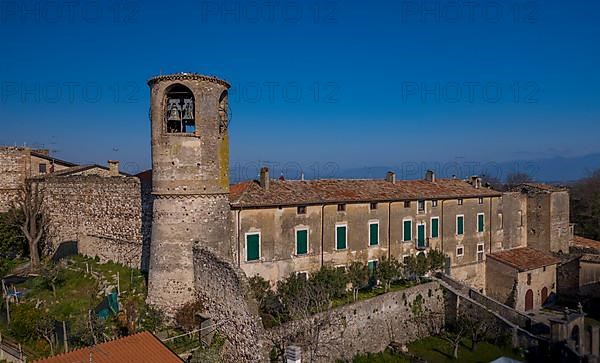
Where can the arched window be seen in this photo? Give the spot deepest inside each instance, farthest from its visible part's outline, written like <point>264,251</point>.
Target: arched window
<point>528,300</point>
<point>179,110</point>
<point>223,109</point>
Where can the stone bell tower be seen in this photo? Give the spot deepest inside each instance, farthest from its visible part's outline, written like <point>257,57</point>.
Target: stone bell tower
<point>190,182</point>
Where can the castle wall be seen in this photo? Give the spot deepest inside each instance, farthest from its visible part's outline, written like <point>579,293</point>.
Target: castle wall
<point>102,214</point>
<point>515,219</point>
<point>365,326</point>
<point>14,168</point>
<point>559,222</point>
<point>502,286</point>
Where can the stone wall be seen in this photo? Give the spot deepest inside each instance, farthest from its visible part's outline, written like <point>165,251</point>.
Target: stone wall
<point>13,170</point>
<point>365,326</point>
<point>223,290</point>
<point>102,214</point>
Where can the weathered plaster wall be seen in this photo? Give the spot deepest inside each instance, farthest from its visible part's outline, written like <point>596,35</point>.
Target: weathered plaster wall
<point>590,272</point>
<point>14,168</point>
<point>514,215</point>
<point>365,326</point>
<point>503,286</point>
<point>540,278</point>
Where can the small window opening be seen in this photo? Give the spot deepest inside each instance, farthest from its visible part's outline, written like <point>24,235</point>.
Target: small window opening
<point>179,113</point>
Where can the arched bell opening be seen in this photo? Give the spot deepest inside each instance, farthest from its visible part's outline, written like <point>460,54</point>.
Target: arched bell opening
<point>180,110</point>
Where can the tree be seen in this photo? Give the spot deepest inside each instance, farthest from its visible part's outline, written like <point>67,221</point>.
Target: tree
<point>585,206</point>
<point>29,212</point>
<point>493,182</point>
<point>436,260</point>
<point>260,289</point>
<point>212,353</point>
<point>358,275</point>
<point>387,271</point>
<point>416,266</point>
<point>52,276</point>
<point>332,280</point>
<point>515,178</point>
<point>12,241</point>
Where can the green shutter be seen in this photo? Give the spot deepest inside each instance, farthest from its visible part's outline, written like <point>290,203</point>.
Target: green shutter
<point>407,230</point>
<point>341,238</point>
<point>252,247</point>
<point>435,233</point>
<point>373,234</point>
<point>460,225</point>
<point>421,236</point>
<point>480,223</point>
<point>372,266</point>
<point>301,242</point>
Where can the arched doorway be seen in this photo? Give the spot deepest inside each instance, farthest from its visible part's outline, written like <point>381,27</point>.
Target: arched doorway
<point>544,295</point>
<point>575,336</point>
<point>528,300</point>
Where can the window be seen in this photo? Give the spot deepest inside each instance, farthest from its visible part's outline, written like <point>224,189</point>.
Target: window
<point>544,269</point>
<point>407,204</point>
<point>501,218</point>
<point>520,218</point>
<point>301,241</point>
<point>341,207</point>
<point>179,110</point>
<point>421,206</point>
<point>252,246</point>
<point>372,266</point>
<point>42,168</point>
<point>434,203</point>
<point>435,227</point>
<point>480,200</point>
<point>373,233</point>
<point>421,241</point>
<point>460,225</point>
<point>302,275</point>
<point>480,222</point>
<point>405,259</point>
<point>341,236</point>
<point>480,251</point>
<point>529,279</point>
<point>373,206</point>
<point>301,209</point>
<point>460,202</point>
<point>407,230</point>
<point>460,251</point>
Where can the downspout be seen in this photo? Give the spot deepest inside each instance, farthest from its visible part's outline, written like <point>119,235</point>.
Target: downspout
<point>239,231</point>
<point>441,227</point>
<point>322,233</point>
<point>389,231</point>
<point>491,223</point>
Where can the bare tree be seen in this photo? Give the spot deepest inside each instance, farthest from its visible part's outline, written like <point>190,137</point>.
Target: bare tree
<point>516,178</point>
<point>29,213</point>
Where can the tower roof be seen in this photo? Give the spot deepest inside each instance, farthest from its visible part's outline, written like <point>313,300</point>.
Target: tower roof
<point>187,76</point>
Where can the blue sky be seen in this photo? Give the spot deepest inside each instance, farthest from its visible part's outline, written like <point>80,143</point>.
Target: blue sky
<point>350,82</point>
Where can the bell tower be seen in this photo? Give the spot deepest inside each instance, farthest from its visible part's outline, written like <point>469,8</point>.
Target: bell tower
<point>190,182</point>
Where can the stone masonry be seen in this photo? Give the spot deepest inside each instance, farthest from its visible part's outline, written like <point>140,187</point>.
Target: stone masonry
<point>190,182</point>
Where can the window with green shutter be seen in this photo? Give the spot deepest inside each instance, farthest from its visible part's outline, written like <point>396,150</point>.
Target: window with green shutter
<point>435,227</point>
<point>373,234</point>
<point>480,220</point>
<point>301,241</point>
<point>460,225</point>
<point>421,236</point>
<point>252,247</point>
<point>407,229</point>
<point>340,237</point>
<point>372,266</point>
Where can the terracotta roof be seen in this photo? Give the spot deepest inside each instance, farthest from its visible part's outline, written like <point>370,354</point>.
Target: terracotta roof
<point>300,192</point>
<point>590,258</point>
<point>50,158</point>
<point>140,347</point>
<point>524,258</point>
<point>583,242</point>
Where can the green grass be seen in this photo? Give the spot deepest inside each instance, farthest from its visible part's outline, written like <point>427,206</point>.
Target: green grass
<point>436,349</point>
<point>383,357</point>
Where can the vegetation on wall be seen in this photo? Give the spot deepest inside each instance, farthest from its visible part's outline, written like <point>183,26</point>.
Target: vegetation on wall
<point>299,295</point>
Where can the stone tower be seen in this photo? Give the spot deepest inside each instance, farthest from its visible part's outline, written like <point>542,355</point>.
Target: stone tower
<point>190,182</point>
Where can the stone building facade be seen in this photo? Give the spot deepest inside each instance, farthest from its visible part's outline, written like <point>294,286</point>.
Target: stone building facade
<point>19,163</point>
<point>190,182</point>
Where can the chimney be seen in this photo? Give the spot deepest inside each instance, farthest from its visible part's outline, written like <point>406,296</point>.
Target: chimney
<point>390,177</point>
<point>476,181</point>
<point>113,167</point>
<point>264,178</point>
<point>430,176</point>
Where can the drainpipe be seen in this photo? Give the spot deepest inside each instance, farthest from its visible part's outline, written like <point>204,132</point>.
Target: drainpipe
<point>389,231</point>
<point>322,233</point>
<point>441,227</point>
<point>239,231</point>
<point>491,223</point>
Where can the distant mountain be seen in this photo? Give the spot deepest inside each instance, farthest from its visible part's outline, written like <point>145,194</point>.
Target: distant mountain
<point>556,169</point>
